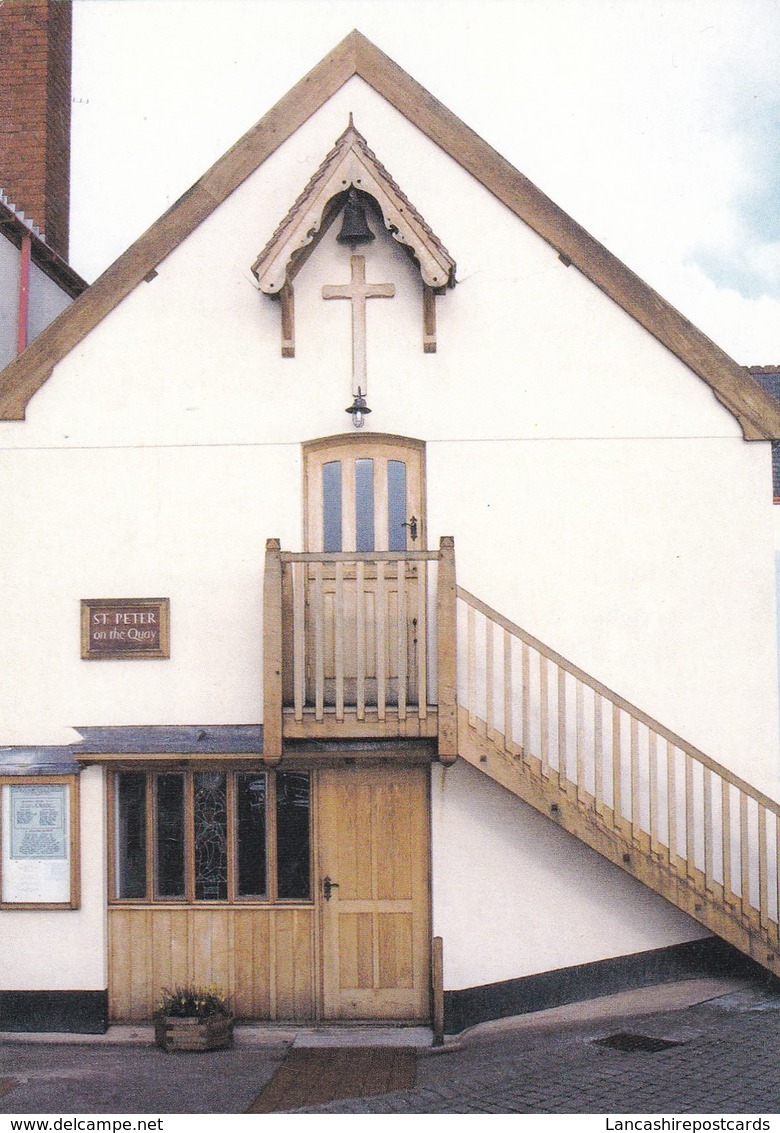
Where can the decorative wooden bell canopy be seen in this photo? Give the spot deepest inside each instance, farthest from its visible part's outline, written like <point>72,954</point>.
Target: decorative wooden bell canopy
<point>351,176</point>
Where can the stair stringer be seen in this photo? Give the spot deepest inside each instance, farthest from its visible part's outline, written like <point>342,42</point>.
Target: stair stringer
<point>574,811</point>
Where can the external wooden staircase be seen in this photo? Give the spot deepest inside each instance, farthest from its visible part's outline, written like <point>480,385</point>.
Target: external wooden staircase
<point>386,645</point>
<point>619,781</point>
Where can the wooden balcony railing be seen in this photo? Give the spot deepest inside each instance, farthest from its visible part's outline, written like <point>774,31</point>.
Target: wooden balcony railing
<point>620,781</point>
<point>359,646</point>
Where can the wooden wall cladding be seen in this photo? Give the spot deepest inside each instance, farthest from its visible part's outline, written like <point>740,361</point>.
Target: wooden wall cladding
<point>263,958</point>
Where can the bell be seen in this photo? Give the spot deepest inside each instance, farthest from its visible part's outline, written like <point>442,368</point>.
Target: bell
<point>355,228</point>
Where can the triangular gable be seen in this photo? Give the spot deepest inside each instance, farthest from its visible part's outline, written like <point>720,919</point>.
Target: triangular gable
<point>756,411</point>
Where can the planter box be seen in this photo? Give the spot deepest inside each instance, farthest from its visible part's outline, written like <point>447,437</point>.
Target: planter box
<point>214,1033</point>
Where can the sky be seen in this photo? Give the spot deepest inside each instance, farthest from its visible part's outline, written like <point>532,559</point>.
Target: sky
<point>654,123</point>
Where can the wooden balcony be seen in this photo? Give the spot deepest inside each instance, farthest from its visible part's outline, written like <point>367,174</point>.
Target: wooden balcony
<point>359,646</point>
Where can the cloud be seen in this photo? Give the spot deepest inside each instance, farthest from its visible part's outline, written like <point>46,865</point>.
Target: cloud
<point>741,250</point>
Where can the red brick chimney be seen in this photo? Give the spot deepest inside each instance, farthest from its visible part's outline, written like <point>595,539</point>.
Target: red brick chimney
<point>35,77</point>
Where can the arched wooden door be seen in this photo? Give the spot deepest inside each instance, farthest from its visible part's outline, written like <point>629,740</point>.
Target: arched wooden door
<point>366,495</point>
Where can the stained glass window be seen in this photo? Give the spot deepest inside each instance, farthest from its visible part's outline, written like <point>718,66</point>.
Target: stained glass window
<point>210,816</point>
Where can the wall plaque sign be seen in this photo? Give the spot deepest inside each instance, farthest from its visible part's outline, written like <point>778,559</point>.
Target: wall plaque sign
<point>36,862</point>
<point>125,628</point>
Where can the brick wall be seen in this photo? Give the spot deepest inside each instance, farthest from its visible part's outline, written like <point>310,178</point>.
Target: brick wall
<point>35,85</point>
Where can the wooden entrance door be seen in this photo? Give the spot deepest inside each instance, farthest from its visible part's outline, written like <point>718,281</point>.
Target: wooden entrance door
<point>374,892</point>
<point>366,495</point>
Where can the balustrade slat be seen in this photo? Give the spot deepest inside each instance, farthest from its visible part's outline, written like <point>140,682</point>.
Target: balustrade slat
<point>598,746</point>
<point>617,759</point>
<point>544,721</point>
<point>422,641</point>
<point>299,639</point>
<point>402,639</point>
<point>489,689</point>
<point>471,655</point>
<point>508,689</point>
<point>709,879</point>
<point>671,803</point>
<point>319,644</point>
<point>763,886</point>
<point>579,706</point>
<point>339,641</point>
<point>526,716</point>
<point>563,754</point>
<point>725,823</point>
<point>360,643</point>
<point>652,759</point>
<point>689,814</point>
<point>744,860</point>
<point>381,641</point>
<point>635,810</point>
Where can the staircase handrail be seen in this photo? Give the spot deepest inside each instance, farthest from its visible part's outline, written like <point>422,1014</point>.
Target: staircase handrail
<point>615,698</point>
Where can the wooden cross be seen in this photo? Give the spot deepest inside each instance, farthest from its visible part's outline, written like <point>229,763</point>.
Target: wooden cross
<point>358,291</point>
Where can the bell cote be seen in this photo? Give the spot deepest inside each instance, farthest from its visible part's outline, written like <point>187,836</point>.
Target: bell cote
<point>352,183</point>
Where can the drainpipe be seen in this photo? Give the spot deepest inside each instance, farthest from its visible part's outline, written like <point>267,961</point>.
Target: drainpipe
<point>24,292</point>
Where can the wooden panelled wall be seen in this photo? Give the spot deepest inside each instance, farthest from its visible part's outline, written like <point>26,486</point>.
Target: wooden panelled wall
<point>263,957</point>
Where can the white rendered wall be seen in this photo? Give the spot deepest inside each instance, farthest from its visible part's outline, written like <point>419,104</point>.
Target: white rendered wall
<point>185,523</point>
<point>64,950</point>
<point>598,493</point>
<point>544,900</point>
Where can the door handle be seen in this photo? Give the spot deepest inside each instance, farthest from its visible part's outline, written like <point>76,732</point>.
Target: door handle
<point>412,525</point>
<point>327,887</point>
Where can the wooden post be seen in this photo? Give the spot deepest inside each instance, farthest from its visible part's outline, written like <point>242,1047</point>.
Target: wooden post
<point>437,990</point>
<point>447,651</point>
<point>288,636</point>
<point>272,653</point>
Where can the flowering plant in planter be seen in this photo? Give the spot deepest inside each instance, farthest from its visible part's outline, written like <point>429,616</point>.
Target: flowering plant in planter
<point>193,1018</point>
<point>193,1002</point>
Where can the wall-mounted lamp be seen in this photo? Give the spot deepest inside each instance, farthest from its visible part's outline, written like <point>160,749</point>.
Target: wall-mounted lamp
<point>358,409</point>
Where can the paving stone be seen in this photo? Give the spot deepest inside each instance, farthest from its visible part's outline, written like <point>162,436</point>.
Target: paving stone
<point>728,1063</point>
